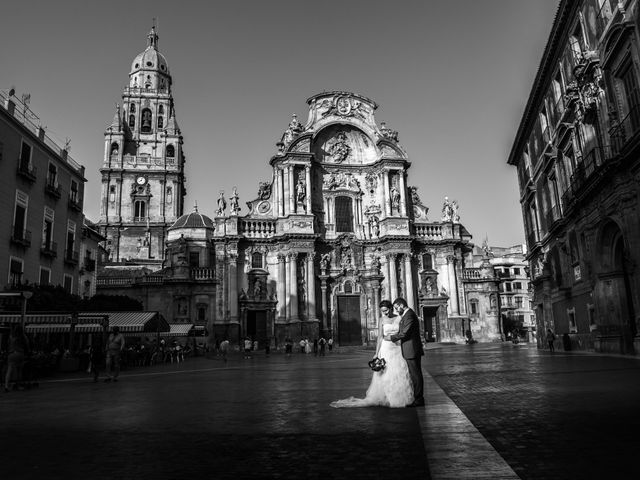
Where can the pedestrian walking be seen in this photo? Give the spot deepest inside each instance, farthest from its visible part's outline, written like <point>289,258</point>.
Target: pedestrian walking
<point>315,347</point>
<point>302,345</point>
<point>18,351</point>
<point>322,344</point>
<point>96,357</point>
<point>115,347</point>
<point>550,339</point>
<point>288,346</point>
<point>223,349</point>
<point>330,343</point>
<point>247,347</point>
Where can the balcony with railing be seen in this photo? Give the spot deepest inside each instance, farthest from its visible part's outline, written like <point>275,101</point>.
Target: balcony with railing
<point>75,202</point>
<point>202,274</point>
<point>52,188</point>
<point>71,257</point>
<point>26,170</point>
<point>429,231</point>
<point>251,228</point>
<point>471,274</point>
<point>49,249</point>
<point>625,130</point>
<point>20,236</point>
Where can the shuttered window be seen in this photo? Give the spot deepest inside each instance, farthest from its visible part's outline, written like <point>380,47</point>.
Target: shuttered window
<point>344,214</point>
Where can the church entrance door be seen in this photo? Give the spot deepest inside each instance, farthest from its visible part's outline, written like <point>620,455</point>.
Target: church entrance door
<point>349,331</point>
<point>257,326</point>
<point>430,316</point>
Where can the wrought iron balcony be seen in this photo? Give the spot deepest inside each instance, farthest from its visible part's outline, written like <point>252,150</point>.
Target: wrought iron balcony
<point>26,170</point>
<point>49,249</point>
<point>71,257</point>
<point>52,188</point>
<point>21,236</point>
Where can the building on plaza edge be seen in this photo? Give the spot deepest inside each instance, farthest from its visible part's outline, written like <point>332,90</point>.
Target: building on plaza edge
<point>576,151</point>
<point>143,168</point>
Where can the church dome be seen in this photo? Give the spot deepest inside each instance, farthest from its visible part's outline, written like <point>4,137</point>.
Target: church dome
<point>192,220</point>
<point>151,58</point>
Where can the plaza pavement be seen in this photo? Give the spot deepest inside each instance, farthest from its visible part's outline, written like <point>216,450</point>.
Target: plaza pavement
<point>269,417</point>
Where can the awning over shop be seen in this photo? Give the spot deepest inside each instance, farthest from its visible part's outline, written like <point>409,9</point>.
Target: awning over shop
<point>178,330</point>
<point>131,322</point>
<point>48,328</point>
<point>88,328</point>
<point>37,318</point>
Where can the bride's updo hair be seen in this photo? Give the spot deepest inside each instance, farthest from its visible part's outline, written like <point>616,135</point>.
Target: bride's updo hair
<point>386,303</point>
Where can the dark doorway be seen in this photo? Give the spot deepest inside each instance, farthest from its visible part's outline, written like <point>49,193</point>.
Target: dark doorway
<point>430,316</point>
<point>257,326</point>
<point>349,331</point>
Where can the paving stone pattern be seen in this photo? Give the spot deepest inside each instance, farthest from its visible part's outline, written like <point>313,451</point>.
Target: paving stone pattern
<point>551,416</point>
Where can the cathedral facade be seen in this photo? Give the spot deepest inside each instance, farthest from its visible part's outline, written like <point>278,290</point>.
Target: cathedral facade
<point>336,229</point>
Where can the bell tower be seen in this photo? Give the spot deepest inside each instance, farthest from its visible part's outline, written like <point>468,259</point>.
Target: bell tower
<point>143,170</point>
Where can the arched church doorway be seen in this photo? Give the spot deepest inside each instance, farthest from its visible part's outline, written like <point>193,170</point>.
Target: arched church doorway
<point>430,318</point>
<point>349,320</point>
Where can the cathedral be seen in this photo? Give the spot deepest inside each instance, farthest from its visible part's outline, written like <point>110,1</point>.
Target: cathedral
<point>336,229</point>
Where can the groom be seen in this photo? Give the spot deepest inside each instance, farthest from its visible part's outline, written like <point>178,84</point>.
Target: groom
<point>411,345</point>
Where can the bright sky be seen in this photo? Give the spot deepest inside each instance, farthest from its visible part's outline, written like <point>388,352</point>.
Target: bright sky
<point>451,76</point>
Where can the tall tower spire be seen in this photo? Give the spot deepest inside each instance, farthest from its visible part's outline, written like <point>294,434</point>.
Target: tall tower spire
<point>143,169</point>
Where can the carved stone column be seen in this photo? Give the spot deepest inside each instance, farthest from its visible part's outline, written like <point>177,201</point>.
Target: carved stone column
<point>403,195</point>
<point>293,285</point>
<point>233,286</point>
<point>311,287</point>
<point>386,197</point>
<point>453,287</point>
<point>307,170</point>
<point>408,274</point>
<point>393,276</point>
<point>292,190</point>
<point>282,299</point>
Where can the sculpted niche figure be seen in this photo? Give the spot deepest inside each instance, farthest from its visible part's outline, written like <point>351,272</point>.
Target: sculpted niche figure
<point>222,205</point>
<point>339,151</point>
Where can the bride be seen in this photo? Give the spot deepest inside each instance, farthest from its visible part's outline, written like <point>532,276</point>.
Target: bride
<point>390,387</point>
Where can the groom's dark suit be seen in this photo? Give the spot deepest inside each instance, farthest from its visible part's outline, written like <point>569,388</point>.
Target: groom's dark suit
<point>411,345</point>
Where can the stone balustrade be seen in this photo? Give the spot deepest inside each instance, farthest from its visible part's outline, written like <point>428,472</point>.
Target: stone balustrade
<point>202,273</point>
<point>429,231</point>
<point>257,228</point>
<point>471,274</point>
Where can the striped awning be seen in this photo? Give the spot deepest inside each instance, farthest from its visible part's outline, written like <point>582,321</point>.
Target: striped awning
<point>132,322</point>
<point>178,330</point>
<point>88,328</point>
<point>37,318</point>
<point>48,327</point>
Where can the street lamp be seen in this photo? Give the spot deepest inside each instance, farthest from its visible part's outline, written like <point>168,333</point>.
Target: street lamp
<point>26,295</point>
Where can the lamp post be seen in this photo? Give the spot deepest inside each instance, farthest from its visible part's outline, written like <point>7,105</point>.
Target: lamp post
<point>26,295</point>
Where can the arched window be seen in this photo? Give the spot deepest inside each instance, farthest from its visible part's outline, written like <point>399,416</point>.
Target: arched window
<point>171,151</point>
<point>115,148</point>
<point>132,121</point>
<point>169,194</point>
<point>140,210</point>
<point>160,110</point>
<point>344,214</point>
<point>160,122</point>
<point>256,260</point>
<point>146,121</point>
<point>427,261</point>
<point>132,108</point>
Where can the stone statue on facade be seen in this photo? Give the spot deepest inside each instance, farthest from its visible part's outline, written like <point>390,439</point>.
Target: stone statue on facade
<point>264,190</point>
<point>233,201</point>
<point>450,211</point>
<point>339,150</point>
<point>395,197</point>
<point>325,261</point>
<point>388,133</point>
<point>376,265</point>
<point>371,181</point>
<point>222,205</point>
<point>301,191</point>
<point>374,226</point>
<point>415,198</point>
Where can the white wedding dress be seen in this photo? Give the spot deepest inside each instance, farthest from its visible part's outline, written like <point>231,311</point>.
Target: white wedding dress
<point>390,387</point>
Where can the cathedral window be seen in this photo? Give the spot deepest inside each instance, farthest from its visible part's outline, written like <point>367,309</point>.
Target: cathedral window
<point>171,151</point>
<point>194,259</point>
<point>427,261</point>
<point>160,122</point>
<point>132,108</point>
<point>132,121</point>
<point>146,121</point>
<point>256,260</point>
<point>169,194</point>
<point>161,110</point>
<point>473,306</point>
<point>344,214</point>
<point>115,148</point>
<point>140,210</point>
<point>112,193</point>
